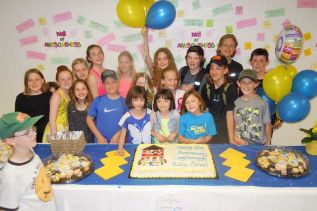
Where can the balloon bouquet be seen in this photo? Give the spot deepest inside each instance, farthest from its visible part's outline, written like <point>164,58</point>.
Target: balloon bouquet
<point>284,88</point>
<point>146,13</point>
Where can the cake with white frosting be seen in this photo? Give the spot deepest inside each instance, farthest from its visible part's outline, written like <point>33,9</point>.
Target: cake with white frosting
<point>173,161</point>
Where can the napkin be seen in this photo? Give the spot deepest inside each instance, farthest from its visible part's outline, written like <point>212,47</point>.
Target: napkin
<point>108,172</point>
<point>236,162</point>
<point>113,161</point>
<point>232,153</point>
<point>240,173</point>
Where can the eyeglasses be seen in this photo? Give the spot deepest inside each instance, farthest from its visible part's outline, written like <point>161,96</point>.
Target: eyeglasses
<point>28,132</point>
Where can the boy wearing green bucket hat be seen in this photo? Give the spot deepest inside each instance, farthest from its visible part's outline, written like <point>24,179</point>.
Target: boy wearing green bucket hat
<point>24,184</point>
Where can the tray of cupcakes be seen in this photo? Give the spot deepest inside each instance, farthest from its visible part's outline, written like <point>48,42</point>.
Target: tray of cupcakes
<point>283,162</point>
<point>68,168</point>
<point>68,163</point>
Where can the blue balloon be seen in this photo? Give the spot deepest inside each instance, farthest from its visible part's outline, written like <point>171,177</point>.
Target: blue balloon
<point>305,83</point>
<point>293,107</point>
<point>270,102</point>
<point>161,15</point>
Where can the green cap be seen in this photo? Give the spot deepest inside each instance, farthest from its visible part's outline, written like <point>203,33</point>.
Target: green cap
<point>248,73</point>
<point>15,122</point>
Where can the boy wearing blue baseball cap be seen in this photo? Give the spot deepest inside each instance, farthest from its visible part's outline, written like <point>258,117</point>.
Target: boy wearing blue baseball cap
<point>24,184</point>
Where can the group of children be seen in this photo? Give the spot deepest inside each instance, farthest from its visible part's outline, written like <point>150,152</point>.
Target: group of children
<point>218,104</point>
<point>100,101</point>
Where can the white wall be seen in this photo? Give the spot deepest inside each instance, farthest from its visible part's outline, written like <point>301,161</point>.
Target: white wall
<point>14,62</point>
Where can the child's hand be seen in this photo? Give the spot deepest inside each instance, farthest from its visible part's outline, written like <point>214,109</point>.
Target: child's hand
<point>120,151</point>
<point>101,140</point>
<point>161,138</point>
<point>144,31</point>
<point>277,125</point>
<point>171,137</point>
<point>114,141</point>
<point>268,143</point>
<point>201,140</point>
<point>187,87</point>
<point>239,141</point>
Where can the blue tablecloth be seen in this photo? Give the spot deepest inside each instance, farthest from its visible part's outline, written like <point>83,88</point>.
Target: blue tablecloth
<point>259,177</point>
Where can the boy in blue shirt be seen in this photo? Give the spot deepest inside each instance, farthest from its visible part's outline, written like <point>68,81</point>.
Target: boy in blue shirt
<point>106,111</point>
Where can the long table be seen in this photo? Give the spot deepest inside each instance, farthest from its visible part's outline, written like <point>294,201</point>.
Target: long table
<point>261,192</point>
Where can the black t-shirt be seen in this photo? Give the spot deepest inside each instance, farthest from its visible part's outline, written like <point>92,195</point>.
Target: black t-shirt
<point>215,102</point>
<point>35,105</point>
<point>234,70</point>
<point>77,121</point>
<point>197,80</point>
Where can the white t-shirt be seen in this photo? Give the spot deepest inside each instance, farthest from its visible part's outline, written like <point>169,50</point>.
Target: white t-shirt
<point>26,186</point>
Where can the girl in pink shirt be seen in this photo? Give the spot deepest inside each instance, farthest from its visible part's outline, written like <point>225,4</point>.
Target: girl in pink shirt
<point>126,72</point>
<point>95,57</point>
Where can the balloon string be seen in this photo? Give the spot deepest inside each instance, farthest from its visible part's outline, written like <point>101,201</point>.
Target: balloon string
<point>278,118</point>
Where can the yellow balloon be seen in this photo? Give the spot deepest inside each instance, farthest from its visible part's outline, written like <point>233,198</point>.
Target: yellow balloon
<point>281,68</point>
<point>131,13</point>
<point>277,83</point>
<point>146,5</point>
<point>291,70</point>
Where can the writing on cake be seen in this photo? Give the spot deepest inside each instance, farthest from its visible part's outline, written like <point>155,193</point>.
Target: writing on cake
<point>173,161</point>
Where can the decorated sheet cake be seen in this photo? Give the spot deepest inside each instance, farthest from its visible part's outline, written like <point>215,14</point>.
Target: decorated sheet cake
<point>173,161</point>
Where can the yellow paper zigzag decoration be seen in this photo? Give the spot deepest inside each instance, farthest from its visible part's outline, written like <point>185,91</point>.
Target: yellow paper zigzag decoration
<point>111,165</point>
<point>237,163</point>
